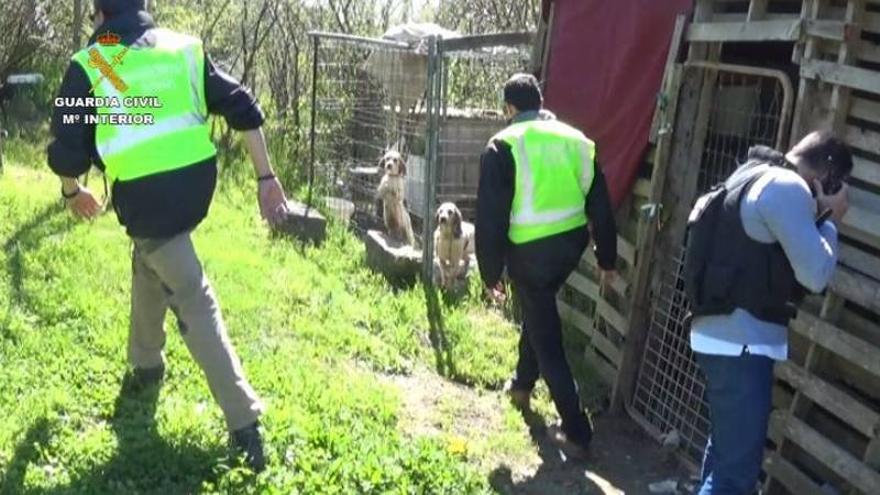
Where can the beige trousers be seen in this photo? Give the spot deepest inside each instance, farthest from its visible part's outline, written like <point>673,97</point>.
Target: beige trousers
<point>166,273</point>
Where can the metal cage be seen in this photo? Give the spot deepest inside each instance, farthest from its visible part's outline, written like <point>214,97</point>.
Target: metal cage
<point>437,103</point>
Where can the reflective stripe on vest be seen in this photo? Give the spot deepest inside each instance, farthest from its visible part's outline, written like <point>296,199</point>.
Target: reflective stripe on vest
<point>171,71</point>
<point>555,168</point>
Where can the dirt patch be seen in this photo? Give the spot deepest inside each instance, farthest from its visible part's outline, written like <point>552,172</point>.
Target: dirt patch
<point>518,456</point>
<point>475,423</point>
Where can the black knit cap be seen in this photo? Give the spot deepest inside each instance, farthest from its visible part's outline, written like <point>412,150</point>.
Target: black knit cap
<point>116,7</point>
<point>523,92</point>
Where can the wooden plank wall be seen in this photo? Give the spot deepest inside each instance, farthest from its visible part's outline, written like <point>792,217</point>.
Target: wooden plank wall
<point>462,141</point>
<point>825,430</point>
<point>596,318</point>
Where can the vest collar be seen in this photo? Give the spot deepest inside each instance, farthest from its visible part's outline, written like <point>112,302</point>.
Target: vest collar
<point>129,25</point>
<point>532,115</point>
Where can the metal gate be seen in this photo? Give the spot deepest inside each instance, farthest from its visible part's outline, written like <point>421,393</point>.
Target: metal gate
<point>747,106</point>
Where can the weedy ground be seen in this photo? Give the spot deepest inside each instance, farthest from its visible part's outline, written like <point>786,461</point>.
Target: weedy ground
<point>365,392</point>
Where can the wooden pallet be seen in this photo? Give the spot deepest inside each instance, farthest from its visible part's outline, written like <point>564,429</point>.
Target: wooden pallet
<point>825,430</point>
<point>599,316</point>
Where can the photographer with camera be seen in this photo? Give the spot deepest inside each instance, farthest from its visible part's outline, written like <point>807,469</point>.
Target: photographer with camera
<point>755,243</point>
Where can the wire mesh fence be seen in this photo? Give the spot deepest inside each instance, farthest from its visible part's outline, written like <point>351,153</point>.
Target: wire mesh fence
<point>749,107</point>
<point>436,103</point>
<point>473,73</point>
<point>748,111</point>
<point>369,98</point>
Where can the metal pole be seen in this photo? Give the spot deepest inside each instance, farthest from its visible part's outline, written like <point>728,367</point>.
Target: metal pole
<point>314,113</point>
<point>445,87</point>
<point>430,161</point>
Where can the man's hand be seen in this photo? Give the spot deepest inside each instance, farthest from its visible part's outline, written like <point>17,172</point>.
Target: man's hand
<point>497,294</point>
<point>273,201</point>
<point>606,278</point>
<point>270,194</point>
<point>84,205</point>
<point>838,202</point>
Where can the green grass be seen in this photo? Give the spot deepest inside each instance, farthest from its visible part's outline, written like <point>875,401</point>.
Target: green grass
<point>316,332</point>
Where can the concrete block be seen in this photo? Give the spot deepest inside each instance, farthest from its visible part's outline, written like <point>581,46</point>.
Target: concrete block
<point>398,262</point>
<point>303,223</point>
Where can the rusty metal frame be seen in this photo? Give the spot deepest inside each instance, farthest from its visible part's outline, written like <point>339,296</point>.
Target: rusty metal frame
<point>782,77</point>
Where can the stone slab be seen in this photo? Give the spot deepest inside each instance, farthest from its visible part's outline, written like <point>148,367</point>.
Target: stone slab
<point>303,223</point>
<point>398,262</point>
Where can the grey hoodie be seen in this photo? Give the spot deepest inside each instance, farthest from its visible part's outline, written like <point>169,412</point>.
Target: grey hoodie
<point>779,207</point>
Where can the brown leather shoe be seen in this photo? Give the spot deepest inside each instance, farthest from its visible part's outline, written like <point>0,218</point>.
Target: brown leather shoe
<point>521,399</point>
<point>570,448</point>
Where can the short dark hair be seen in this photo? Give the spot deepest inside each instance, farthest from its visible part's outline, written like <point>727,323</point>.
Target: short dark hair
<point>523,92</point>
<point>114,7</point>
<point>823,152</point>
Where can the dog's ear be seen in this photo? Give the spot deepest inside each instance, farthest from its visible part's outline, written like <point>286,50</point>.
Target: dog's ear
<point>381,163</point>
<point>456,223</point>
<point>402,164</point>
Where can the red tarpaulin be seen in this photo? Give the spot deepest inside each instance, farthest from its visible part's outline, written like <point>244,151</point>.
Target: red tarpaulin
<point>605,69</point>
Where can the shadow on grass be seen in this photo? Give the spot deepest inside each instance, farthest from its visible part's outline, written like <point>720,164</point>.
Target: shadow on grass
<point>28,237</point>
<point>48,222</point>
<point>142,462</point>
<point>27,451</point>
<point>437,333</point>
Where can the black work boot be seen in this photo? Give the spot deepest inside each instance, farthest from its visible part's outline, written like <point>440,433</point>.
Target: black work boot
<point>140,379</point>
<point>147,377</point>
<point>248,442</point>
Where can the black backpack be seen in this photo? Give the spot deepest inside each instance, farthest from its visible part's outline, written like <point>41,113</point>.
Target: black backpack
<point>724,268</point>
<point>700,239</point>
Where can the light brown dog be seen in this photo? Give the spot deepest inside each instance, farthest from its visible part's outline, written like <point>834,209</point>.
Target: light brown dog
<point>392,192</point>
<point>453,244</point>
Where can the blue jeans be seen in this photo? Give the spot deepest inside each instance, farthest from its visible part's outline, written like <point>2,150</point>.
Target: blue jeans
<point>738,389</point>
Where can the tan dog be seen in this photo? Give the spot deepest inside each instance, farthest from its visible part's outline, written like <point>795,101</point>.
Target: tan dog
<point>392,192</point>
<point>453,244</point>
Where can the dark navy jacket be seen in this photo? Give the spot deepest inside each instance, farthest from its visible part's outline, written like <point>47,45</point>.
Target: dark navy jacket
<point>161,205</point>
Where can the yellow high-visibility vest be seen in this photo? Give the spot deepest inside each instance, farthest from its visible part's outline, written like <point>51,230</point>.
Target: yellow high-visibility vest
<point>555,169</point>
<point>172,71</point>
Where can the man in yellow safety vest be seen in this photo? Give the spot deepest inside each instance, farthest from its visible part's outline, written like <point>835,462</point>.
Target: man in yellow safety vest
<point>540,187</point>
<point>135,102</point>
